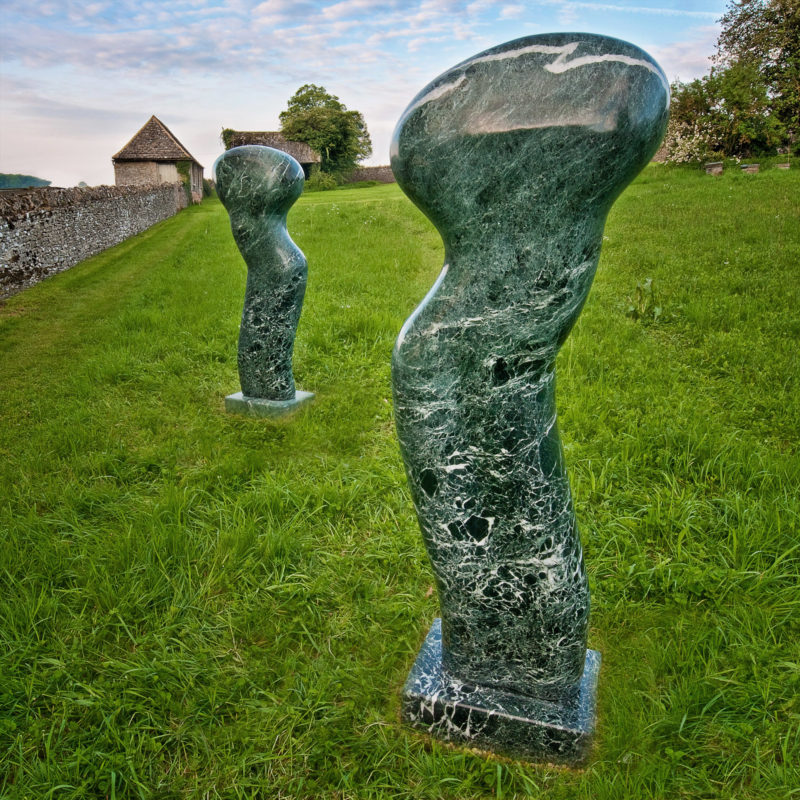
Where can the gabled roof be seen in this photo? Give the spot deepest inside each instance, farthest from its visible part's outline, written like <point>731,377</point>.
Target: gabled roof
<point>300,151</point>
<point>154,142</point>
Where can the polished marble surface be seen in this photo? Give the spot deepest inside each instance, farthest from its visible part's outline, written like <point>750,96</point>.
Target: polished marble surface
<point>516,155</point>
<point>239,403</point>
<point>258,185</point>
<point>486,717</point>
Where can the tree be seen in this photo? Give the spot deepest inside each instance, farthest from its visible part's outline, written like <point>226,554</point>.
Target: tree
<point>745,121</point>
<point>764,36</point>
<point>691,132</point>
<point>750,101</point>
<point>324,123</point>
<point>16,181</point>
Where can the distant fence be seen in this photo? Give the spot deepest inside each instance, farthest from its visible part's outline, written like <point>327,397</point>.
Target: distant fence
<point>45,231</point>
<point>382,174</point>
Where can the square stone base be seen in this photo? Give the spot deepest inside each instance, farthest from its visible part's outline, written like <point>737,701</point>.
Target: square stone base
<point>259,407</point>
<point>498,720</point>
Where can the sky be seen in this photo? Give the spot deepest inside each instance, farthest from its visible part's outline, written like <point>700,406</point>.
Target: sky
<point>79,78</point>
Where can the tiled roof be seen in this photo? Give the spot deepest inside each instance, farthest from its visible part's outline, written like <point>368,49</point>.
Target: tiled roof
<point>297,150</point>
<point>154,142</point>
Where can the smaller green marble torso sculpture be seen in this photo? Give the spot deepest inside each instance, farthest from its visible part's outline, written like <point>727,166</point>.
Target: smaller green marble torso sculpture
<point>258,185</point>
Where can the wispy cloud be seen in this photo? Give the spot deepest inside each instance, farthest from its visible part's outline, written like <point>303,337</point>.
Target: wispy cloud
<point>636,9</point>
<point>512,11</point>
<point>688,59</point>
<point>351,8</point>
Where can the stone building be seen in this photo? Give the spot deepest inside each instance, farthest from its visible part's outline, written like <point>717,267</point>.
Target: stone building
<point>299,151</point>
<point>153,156</point>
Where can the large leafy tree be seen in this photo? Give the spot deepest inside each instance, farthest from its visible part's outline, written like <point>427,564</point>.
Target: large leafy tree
<point>764,36</point>
<point>324,123</point>
<point>750,101</point>
<point>746,120</point>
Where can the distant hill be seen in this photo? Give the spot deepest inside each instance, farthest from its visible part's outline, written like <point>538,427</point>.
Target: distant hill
<point>8,181</point>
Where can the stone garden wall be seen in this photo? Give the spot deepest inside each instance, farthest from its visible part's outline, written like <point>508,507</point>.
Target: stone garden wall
<point>382,174</point>
<point>45,231</point>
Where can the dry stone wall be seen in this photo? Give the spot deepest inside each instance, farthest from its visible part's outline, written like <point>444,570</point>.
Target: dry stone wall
<point>45,231</point>
<point>382,174</point>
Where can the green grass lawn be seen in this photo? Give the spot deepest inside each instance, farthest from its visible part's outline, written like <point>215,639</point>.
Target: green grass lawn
<point>195,605</point>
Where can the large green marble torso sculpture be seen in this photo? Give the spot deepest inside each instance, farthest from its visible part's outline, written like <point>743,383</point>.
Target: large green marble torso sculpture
<point>516,156</point>
<point>258,185</point>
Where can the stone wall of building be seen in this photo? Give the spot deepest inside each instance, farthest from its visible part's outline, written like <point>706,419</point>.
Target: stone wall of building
<point>45,231</point>
<point>137,173</point>
<point>382,174</point>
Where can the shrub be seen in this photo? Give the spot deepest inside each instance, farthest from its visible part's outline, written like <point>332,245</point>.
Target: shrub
<point>688,143</point>
<point>185,173</point>
<point>320,181</point>
<point>226,137</point>
<point>361,185</point>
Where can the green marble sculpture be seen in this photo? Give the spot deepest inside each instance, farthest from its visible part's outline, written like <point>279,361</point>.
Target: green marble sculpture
<point>258,185</point>
<point>516,155</point>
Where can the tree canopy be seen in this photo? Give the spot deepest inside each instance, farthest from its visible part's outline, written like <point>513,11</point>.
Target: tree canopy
<point>749,103</point>
<point>765,36</point>
<point>324,123</point>
<point>17,181</point>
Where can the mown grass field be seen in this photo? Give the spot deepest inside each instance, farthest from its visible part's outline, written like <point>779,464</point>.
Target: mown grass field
<point>195,605</point>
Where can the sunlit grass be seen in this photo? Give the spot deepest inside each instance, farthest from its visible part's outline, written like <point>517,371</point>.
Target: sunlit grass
<point>198,605</point>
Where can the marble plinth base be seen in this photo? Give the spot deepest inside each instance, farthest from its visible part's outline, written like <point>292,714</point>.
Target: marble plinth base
<point>259,407</point>
<point>492,719</point>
